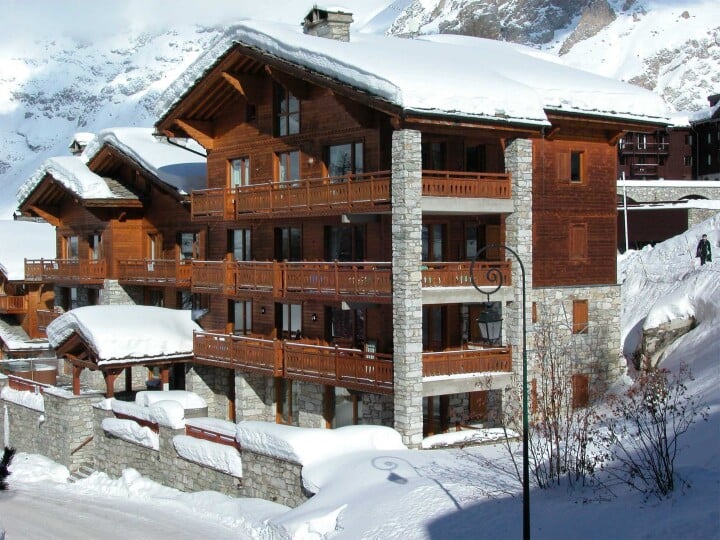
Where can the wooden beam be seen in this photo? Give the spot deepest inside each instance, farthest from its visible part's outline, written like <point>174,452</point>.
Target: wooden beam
<point>76,379</point>
<point>249,86</point>
<point>614,138</point>
<point>47,216</point>
<point>550,135</point>
<point>110,375</point>
<point>202,132</point>
<point>360,113</point>
<point>299,88</point>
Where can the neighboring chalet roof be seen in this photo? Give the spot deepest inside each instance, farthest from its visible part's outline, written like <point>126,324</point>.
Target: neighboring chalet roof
<point>177,165</point>
<point>126,334</point>
<point>24,239</point>
<point>706,115</point>
<point>15,339</point>
<point>441,75</point>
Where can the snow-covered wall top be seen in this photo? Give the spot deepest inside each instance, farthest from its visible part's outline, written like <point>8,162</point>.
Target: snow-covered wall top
<point>72,173</point>
<point>24,239</point>
<point>122,333</point>
<point>448,75</point>
<point>175,165</point>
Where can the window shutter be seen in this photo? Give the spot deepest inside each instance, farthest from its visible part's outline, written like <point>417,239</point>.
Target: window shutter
<point>580,316</point>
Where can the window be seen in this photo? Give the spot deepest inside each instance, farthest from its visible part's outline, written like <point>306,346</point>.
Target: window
<point>154,246</point>
<point>641,141</point>
<point>433,156</point>
<point>188,300</point>
<point>342,407</point>
<point>476,158</point>
<point>580,316</point>
<point>241,316</point>
<point>478,236</point>
<point>239,172</point>
<point>578,242</point>
<point>580,391</point>
<point>239,244</point>
<point>155,297</point>
<point>72,247</point>
<point>288,166</point>
<point>688,140</point>
<point>73,300</point>
<point>290,320</point>
<point>287,112</point>
<point>345,243</point>
<point>432,328</point>
<point>576,166</point>
<point>95,244</point>
<point>288,244</point>
<point>345,159</point>
<point>189,246</point>
<point>687,161</point>
<point>433,242</point>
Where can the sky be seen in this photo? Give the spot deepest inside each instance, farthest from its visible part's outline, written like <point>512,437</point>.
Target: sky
<point>390,492</point>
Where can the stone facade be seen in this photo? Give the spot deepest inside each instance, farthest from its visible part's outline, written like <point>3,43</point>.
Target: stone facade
<point>407,287</point>
<point>115,294</point>
<point>213,385</point>
<point>378,410</point>
<point>251,403</point>
<point>272,479</point>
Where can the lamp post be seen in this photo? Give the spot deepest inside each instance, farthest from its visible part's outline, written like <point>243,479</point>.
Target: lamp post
<point>494,275</point>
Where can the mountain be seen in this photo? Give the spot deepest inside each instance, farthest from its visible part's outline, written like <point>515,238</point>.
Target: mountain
<point>84,66</point>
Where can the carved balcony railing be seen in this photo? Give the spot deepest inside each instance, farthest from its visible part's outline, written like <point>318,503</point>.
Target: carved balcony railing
<point>351,193</point>
<point>334,280</point>
<point>45,317</point>
<point>466,361</point>
<point>79,271</point>
<point>172,272</point>
<point>256,355</point>
<point>11,305</point>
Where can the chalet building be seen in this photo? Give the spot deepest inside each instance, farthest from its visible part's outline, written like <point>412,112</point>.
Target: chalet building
<point>23,303</point>
<point>706,125</point>
<point>122,215</point>
<point>350,184</point>
<point>663,153</point>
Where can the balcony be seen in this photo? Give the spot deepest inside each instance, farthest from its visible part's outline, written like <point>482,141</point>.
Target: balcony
<point>70,271</point>
<point>335,366</point>
<point>661,148</point>
<point>13,305</point>
<point>352,193</point>
<point>334,281</point>
<point>157,272</point>
<point>45,317</point>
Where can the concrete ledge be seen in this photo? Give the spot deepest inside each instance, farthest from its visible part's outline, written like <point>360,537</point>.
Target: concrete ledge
<point>457,384</point>
<point>466,206</point>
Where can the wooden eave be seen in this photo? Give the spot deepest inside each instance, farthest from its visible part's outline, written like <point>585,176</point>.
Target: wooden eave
<point>578,126</point>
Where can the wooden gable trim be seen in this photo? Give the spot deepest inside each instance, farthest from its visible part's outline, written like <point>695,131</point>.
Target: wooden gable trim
<point>248,86</point>
<point>201,131</point>
<point>592,128</point>
<point>47,216</point>
<point>299,87</point>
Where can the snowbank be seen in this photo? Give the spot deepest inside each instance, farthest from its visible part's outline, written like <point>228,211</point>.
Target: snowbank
<point>220,457</point>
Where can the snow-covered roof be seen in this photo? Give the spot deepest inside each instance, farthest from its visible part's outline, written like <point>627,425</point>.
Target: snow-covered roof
<point>440,74</point>
<point>124,333</point>
<point>81,137</point>
<point>179,165</point>
<point>24,239</point>
<point>16,339</point>
<point>704,115</point>
<point>72,173</point>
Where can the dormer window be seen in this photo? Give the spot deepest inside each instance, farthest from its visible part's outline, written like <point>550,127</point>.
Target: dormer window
<point>287,112</point>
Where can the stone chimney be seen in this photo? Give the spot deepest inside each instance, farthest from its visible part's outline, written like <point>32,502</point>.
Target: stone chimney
<point>79,142</point>
<point>328,24</point>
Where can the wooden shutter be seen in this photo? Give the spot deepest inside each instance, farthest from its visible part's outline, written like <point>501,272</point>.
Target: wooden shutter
<point>580,390</point>
<point>578,242</point>
<point>492,236</point>
<point>563,166</point>
<point>580,316</point>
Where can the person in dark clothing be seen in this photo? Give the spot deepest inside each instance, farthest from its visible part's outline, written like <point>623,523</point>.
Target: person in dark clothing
<point>703,250</point>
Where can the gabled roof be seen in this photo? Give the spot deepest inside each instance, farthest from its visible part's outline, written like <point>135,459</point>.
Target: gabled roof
<point>124,334</point>
<point>706,115</point>
<point>441,76</point>
<point>21,240</point>
<point>180,165</point>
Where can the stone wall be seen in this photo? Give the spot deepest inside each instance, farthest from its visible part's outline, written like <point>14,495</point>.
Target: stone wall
<point>377,410</point>
<point>251,403</point>
<point>272,479</point>
<point>213,385</point>
<point>113,293</point>
<point>309,405</point>
<point>675,190</point>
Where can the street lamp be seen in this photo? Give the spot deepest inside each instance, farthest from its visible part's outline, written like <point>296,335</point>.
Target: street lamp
<point>495,275</point>
<point>490,324</point>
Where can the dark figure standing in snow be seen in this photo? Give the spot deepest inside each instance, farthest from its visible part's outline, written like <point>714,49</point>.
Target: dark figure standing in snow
<point>703,250</point>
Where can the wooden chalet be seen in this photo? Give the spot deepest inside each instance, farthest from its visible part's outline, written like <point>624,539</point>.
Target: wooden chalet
<point>706,125</point>
<point>302,212</point>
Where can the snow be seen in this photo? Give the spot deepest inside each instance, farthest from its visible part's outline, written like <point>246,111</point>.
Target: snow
<point>21,240</point>
<point>189,400</point>
<point>432,75</point>
<point>216,425</point>
<point>124,332</point>
<point>131,431</point>
<point>220,457</point>
<point>178,167</point>
<point>31,400</point>
<point>168,413</point>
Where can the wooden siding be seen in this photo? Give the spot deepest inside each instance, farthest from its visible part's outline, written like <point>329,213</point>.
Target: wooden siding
<point>562,208</point>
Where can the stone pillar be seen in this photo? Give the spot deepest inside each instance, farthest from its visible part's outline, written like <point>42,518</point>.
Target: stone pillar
<point>407,286</point>
<point>518,236</point>
<point>113,293</point>
<point>250,397</point>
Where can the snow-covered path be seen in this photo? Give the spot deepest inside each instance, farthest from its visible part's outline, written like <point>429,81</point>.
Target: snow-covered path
<point>46,510</point>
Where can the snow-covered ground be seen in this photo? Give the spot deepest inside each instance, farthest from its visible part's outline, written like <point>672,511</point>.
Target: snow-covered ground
<point>450,493</point>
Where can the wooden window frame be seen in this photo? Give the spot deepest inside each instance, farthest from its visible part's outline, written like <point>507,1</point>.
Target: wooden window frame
<point>577,176</point>
<point>282,125</point>
<point>245,171</point>
<point>581,316</point>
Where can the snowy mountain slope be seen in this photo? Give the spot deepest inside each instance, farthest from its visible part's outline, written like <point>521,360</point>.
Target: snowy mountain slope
<point>86,66</point>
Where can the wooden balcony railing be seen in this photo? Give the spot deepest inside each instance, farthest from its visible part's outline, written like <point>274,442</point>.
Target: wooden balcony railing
<point>10,305</point>
<point>234,277</point>
<point>65,270</point>
<point>45,317</point>
<point>466,184</point>
<point>457,274</point>
<point>256,355</point>
<point>351,193</point>
<point>349,368</point>
<point>338,279</point>
<point>155,272</point>
<point>211,435</point>
<point>336,366</point>
<point>459,362</point>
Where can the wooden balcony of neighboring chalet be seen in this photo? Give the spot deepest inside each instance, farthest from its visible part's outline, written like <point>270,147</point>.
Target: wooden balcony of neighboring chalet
<point>313,361</point>
<point>45,317</point>
<point>333,281</point>
<point>155,272</point>
<point>71,271</point>
<point>352,193</point>
<point>13,305</point>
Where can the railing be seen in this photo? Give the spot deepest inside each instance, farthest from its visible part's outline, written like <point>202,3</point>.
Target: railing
<point>457,274</point>
<point>349,368</point>
<point>363,192</point>
<point>13,304</point>
<point>233,277</point>
<point>210,435</point>
<point>338,278</point>
<point>256,355</point>
<point>466,184</point>
<point>45,317</point>
<point>465,361</point>
<point>65,270</point>
<point>155,271</point>
<point>649,147</point>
